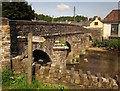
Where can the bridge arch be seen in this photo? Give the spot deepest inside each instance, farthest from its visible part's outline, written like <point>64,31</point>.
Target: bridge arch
<point>41,57</point>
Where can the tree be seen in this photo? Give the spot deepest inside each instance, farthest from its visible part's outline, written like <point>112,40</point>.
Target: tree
<point>95,18</point>
<point>90,19</point>
<point>71,18</point>
<point>17,10</point>
<point>43,17</point>
<point>48,18</point>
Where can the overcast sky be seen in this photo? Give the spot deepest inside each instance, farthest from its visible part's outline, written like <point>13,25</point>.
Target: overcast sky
<point>66,7</point>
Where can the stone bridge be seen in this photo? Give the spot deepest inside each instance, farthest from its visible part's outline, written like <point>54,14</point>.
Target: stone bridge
<point>15,33</point>
<point>75,37</point>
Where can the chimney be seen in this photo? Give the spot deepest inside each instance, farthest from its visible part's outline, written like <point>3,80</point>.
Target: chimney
<point>96,18</point>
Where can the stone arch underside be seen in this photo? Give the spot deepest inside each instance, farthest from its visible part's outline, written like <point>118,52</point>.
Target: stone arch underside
<point>41,57</point>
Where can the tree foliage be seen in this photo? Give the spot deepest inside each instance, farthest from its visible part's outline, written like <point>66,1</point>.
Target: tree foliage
<point>92,19</point>
<point>17,10</point>
<point>60,19</point>
<point>71,18</point>
<point>43,17</point>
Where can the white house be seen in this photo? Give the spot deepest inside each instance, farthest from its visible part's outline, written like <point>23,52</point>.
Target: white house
<point>111,24</point>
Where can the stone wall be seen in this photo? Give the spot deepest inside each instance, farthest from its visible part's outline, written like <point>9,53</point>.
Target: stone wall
<point>19,65</point>
<point>97,34</point>
<point>78,79</point>
<point>5,43</point>
<point>53,74</point>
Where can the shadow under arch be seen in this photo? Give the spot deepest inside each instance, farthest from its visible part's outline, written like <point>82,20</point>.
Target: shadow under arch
<point>90,38</point>
<point>69,46</point>
<point>41,57</point>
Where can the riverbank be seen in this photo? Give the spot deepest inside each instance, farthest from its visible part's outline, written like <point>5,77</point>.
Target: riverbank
<point>102,49</point>
<point>97,49</point>
<point>111,44</point>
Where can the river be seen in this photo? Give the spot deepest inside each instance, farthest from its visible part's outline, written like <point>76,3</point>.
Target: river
<point>99,62</point>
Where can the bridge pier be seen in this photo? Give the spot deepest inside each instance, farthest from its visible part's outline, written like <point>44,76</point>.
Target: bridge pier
<point>59,58</point>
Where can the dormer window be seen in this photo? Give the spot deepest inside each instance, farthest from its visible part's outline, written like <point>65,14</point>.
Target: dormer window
<point>96,23</point>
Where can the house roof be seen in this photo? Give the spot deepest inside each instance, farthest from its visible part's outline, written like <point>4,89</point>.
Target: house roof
<point>112,17</point>
<point>85,23</point>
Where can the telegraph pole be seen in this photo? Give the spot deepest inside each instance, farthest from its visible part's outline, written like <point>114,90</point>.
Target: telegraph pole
<point>52,18</point>
<point>74,13</point>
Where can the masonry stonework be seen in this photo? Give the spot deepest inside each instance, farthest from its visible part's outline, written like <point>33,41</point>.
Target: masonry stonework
<point>75,35</point>
<point>5,44</point>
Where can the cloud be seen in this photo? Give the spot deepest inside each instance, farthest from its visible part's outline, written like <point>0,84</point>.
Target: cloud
<point>63,7</point>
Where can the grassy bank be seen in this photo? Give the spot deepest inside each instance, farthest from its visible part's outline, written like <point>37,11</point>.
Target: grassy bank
<point>9,81</point>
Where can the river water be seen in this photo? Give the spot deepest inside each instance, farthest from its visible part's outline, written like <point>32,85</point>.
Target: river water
<point>99,62</point>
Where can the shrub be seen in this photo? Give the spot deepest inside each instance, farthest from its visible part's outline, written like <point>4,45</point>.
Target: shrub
<point>112,44</point>
<point>96,43</point>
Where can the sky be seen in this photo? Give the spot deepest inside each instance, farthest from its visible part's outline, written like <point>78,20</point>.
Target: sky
<point>66,8</point>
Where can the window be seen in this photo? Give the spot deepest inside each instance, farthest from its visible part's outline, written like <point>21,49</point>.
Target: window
<point>114,30</point>
<point>96,23</point>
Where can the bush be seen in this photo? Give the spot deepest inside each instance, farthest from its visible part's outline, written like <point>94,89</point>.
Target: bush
<point>96,43</point>
<point>112,44</point>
